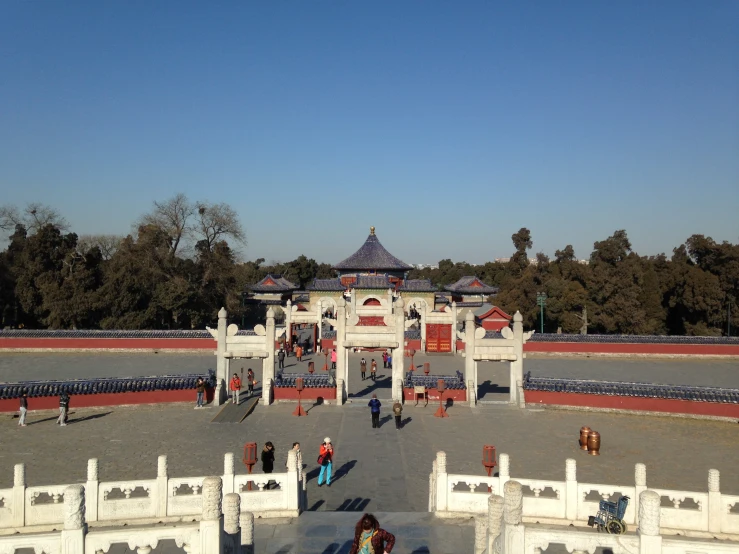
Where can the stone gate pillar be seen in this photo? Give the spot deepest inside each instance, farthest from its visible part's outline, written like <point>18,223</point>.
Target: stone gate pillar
<point>289,324</point>
<point>221,369</point>
<point>517,365</point>
<point>469,353</point>
<point>73,533</point>
<point>398,358</point>
<point>341,354</point>
<point>454,327</point>
<point>268,363</point>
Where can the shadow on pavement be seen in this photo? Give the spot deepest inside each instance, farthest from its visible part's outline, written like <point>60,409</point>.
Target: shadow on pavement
<point>343,470</point>
<point>88,418</point>
<point>384,420</point>
<point>315,506</point>
<point>353,505</point>
<point>486,387</point>
<point>405,422</point>
<point>381,383</point>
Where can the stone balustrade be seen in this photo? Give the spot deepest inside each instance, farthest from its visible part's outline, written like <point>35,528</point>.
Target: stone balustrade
<point>140,501</point>
<point>222,528</point>
<point>571,502</point>
<point>503,529</point>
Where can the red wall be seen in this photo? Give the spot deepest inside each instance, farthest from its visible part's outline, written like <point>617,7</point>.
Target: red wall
<point>289,393</point>
<point>458,395</point>
<point>91,343</point>
<point>632,403</point>
<point>633,348</point>
<point>106,399</point>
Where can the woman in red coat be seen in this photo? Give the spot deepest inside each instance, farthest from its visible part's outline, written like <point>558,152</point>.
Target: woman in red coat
<point>369,538</point>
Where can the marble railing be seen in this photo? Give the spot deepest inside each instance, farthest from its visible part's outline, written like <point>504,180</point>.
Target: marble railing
<point>221,528</point>
<point>502,529</point>
<point>31,509</point>
<point>570,501</point>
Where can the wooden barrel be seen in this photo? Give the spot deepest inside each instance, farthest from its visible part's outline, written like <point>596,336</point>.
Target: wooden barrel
<point>594,443</point>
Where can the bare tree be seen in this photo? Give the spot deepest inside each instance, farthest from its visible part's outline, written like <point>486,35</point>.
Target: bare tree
<point>33,217</point>
<point>215,222</point>
<point>108,244</point>
<point>172,216</point>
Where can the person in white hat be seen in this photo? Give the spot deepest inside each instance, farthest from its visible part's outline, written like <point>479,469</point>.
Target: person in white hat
<point>325,459</point>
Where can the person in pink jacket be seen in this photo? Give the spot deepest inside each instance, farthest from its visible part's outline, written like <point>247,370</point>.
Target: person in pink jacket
<point>333,358</point>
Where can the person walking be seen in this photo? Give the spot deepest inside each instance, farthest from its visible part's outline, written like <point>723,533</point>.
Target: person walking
<point>268,461</point>
<point>390,361</point>
<point>375,405</point>
<point>200,390</point>
<point>384,360</point>
<point>298,459</point>
<point>250,381</point>
<point>325,459</point>
<point>299,352</point>
<point>63,407</point>
<point>373,370</point>
<point>363,368</point>
<point>370,538</point>
<point>23,409</point>
<point>281,359</point>
<point>235,386</point>
<point>333,358</point>
<point>398,411</point>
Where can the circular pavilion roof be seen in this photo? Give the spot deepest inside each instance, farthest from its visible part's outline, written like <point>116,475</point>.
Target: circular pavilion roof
<point>372,255</point>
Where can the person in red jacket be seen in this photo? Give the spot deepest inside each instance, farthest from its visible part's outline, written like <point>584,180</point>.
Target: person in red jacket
<point>368,533</point>
<point>325,458</point>
<point>235,386</point>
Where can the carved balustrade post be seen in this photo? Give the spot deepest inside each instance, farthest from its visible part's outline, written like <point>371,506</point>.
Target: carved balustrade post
<point>513,528</point>
<point>571,498</point>
<point>496,505</point>
<point>640,480</point>
<point>481,533</point>
<point>432,487</point>
<point>504,470</point>
<point>231,524</point>
<point>442,483</point>
<point>73,534</point>
<point>228,473</point>
<point>650,540</point>
<point>162,488</point>
<point>19,495</point>
<point>292,487</point>
<point>91,490</point>
<point>715,511</point>
<point>211,524</point>
<point>247,532</point>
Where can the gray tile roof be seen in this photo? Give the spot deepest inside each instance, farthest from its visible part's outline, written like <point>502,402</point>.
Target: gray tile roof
<point>469,304</point>
<point>417,285</point>
<point>372,255</point>
<point>273,283</point>
<point>326,285</point>
<point>372,282</point>
<point>471,285</point>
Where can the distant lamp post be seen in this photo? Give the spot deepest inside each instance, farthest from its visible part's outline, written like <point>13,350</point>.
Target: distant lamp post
<point>441,387</point>
<point>541,301</point>
<point>299,411</point>
<point>250,458</point>
<point>410,353</point>
<point>326,352</point>
<point>488,460</point>
<point>426,368</point>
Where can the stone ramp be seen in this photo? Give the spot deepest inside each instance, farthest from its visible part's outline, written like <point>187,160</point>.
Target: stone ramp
<point>333,532</point>
<point>236,413</point>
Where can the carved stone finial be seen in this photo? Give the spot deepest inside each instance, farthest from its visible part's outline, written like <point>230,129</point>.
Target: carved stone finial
<point>246,521</point>
<point>570,469</point>
<point>372,230</point>
<point>162,466</point>
<point>212,487</point>
<point>74,507</point>
<point>649,512</point>
<point>441,462</point>
<point>517,317</point>
<point>714,480</point>
<point>228,463</point>
<point>231,513</point>
<point>504,465</point>
<point>496,505</point>
<point>292,459</point>
<point>640,475</point>
<point>92,469</point>
<point>19,475</point>
<point>513,496</point>
<point>270,313</point>
<point>222,313</point>
<point>399,302</point>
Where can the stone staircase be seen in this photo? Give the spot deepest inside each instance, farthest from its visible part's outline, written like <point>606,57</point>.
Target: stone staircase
<point>333,532</point>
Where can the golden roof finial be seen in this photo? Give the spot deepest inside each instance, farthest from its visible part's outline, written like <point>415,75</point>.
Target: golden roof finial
<point>372,230</point>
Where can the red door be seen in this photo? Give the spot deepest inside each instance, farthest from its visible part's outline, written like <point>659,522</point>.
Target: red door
<point>438,337</point>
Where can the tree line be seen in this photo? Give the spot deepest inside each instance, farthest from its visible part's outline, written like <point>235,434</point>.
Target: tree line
<point>180,264</point>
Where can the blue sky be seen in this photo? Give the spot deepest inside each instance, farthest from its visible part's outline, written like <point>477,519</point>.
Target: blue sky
<point>447,125</point>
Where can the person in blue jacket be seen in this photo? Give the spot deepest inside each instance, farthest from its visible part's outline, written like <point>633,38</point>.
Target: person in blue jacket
<point>374,405</point>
